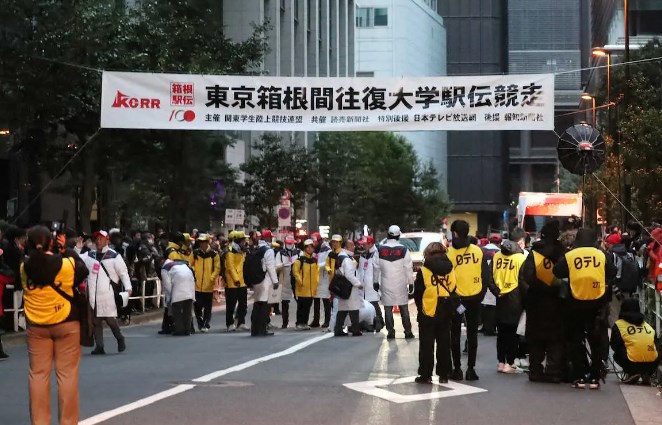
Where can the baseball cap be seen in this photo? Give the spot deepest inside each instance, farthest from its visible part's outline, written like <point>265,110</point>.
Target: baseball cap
<point>394,230</point>
<point>101,233</point>
<point>336,238</point>
<point>367,239</point>
<point>239,234</point>
<point>495,239</point>
<point>203,237</point>
<point>267,234</point>
<point>289,240</point>
<point>308,242</point>
<point>613,239</point>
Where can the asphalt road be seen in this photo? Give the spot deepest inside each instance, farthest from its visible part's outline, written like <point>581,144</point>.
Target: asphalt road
<point>211,378</point>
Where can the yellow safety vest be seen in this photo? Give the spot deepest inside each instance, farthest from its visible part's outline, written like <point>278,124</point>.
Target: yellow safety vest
<point>44,306</point>
<point>544,268</point>
<point>639,341</point>
<point>434,289</point>
<point>505,271</point>
<point>467,263</point>
<point>587,273</point>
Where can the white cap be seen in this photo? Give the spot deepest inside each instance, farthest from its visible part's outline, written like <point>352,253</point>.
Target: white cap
<point>394,230</point>
<point>308,242</point>
<point>114,230</point>
<point>336,238</point>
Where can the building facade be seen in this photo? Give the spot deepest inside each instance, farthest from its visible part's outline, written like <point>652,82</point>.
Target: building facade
<point>404,38</point>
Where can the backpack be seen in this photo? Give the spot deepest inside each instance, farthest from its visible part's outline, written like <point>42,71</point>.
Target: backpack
<point>628,277</point>
<point>253,271</point>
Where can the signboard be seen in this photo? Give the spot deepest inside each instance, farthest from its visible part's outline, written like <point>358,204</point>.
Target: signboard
<point>221,102</point>
<point>284,216</point>
<point>234,217</point>
<point>549,204</point>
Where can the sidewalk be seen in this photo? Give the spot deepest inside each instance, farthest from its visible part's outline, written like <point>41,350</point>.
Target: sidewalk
<point>14,339</point>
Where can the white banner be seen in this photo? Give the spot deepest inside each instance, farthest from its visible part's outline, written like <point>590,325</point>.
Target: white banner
<point>219,102</point>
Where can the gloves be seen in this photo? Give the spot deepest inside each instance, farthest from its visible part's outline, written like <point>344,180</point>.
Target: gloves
<point>375,286</point>
<point>237,284</point>
<point>410,288</point>
<point>275,286</point>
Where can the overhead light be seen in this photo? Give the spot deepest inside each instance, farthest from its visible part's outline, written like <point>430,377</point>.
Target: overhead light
<point>586,96</point>
<point>598,51</point>
<point>5,132</point>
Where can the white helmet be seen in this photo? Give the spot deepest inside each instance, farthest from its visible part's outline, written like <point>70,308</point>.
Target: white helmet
<point>394,231</point>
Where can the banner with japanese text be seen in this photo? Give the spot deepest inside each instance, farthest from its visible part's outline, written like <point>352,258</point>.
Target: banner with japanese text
<point>220,102</point>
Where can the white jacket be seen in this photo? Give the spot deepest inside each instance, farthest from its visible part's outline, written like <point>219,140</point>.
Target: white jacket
<point>369,273</point>
<point>101,295</point>
<point>262,290</point>
<point>284,261</point>
<point>396,273</point>
<point>323,286</point>
<point>348,269</point>
<point>178,281</point>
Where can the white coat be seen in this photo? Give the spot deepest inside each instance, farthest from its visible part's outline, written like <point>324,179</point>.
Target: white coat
<point>348,269</point>
<point>396,273</point>
<point>323,286</point>
<point>262,290</point>
<point>178,282</point>
<point>369,274</point>
<point>284,261</point>
<point>367,314</point>
<point>101,295</point>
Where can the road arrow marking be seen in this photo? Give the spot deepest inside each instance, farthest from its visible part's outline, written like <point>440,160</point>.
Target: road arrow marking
<point>451,389</point>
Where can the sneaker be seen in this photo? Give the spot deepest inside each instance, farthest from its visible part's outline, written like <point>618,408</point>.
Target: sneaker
<point>443,380</point>
<point>3,355</point>
<point>423,380</point>
<point>632,379</point>
<point>580,384</point>
<point>512,369</point>
<point>299,327</point>
<point>284,326</point>
<point>500,367</point>
<point>314,325</point>
<point>646,379</point>
<point>357,333</point>
<point>243,328</point>
<point>231,328</point>
<point>164,332</point>
<point>471,375</point>
<point>121,345</point>
<point>340,334</point>
<point>594,384</point>
<point>98,351</point>
<point>409,335</point>
<point>456,374</point>
<point>390,335</point>
<point>523,363</point>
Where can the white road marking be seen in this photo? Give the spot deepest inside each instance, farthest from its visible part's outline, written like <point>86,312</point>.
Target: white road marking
<point>372,388</point>
<point>101,417</point>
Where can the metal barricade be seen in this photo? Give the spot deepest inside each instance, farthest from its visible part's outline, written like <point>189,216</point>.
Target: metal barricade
<point>651,305</point>
<point>16,311</point>
<point>158,296</point>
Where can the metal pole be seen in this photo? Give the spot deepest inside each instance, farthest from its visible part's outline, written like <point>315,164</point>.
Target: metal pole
<point>627,189</point>
<point>595,124</point>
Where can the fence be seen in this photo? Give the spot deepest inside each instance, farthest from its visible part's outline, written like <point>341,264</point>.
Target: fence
<point>651,305</point>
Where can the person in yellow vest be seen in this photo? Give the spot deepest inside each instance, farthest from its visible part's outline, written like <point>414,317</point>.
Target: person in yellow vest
<point>472,272</point>
<point>505,284</point>
<point>434,284</point>
<point>634,344</point>
<point>236,293</point>
<point>53,329</point>
<point>207,267</point>
<point>589,271</point>
<point>306,275</point>
<point>544,307</point>
<point>173,252</point>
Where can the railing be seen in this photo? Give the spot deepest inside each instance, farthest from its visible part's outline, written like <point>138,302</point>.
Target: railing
<point>158,293</point>
<point>17,301</point>
<point>651,305</point>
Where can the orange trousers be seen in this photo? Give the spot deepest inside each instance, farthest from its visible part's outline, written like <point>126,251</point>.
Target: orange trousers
<point>59,343</point>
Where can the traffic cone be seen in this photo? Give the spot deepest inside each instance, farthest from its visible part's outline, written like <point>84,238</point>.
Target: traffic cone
<point>396,309</point>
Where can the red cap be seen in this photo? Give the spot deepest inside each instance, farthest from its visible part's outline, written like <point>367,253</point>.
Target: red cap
<point>495,239</point>
<point>484,241</point>
<point>101,233</point>
<point>367,239</point>
<point>613,239</point>
<point>266,234</point>
<point>315,236</point>
<point>290,239</point>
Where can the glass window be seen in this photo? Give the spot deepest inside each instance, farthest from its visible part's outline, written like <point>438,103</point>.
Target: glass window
<point>381,17</point>
<point>412,244</point>
<point>363,17</point>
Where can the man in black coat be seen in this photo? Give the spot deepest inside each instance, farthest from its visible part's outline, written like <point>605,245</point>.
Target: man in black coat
<point>544,308</point>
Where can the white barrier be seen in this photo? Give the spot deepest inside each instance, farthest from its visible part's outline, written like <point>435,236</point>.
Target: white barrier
<point>648,288</point>
<point>17,301</point>
<point>158,293</point>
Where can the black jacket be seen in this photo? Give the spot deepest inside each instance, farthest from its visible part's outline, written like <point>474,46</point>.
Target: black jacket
<point>509,307</point>
<point>544,307</point>
<point>438,264</point>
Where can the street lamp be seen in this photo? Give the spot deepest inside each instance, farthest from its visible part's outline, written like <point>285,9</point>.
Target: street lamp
<point>600,52</point>
<point>587,96</point>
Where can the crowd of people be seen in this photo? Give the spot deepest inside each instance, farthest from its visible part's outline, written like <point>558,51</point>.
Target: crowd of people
<point>549,299</point>
<point>554,299</point>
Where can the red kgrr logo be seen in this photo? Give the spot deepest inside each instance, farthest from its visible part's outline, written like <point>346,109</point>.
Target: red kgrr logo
<point>182,115</point>
<point>124,101</point>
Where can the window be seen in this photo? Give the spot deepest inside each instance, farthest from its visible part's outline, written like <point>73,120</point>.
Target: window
<point>381,17</point>
<point>365,73</point>
<point>368,17</point>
